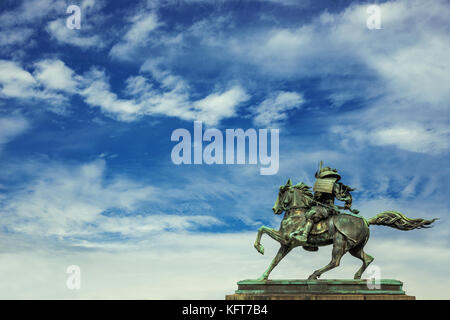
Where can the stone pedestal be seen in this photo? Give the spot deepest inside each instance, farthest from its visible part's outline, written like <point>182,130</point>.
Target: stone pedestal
<point>319,290</point>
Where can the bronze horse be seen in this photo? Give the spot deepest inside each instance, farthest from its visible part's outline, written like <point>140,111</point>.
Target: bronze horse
<point>347,232</point>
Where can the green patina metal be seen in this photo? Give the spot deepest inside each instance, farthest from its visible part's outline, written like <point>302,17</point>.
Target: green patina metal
<point>360,287</point>
<point>356,216</point>
<point>317,282</point>
<point>346,231</point>
<point>364,292</point>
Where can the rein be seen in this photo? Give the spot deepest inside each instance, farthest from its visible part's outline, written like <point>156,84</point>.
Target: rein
<point>354,211</point>
<point>335,208</point>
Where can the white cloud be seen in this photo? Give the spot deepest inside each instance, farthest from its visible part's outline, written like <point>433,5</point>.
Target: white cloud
<point>274,110</point>
<point>141,25</point>
<point>279,51</point>
<point>15,36</point>
<point>55,75</point>
<point>90,4</point>
<point>88,36</point>
<point>171,265</point>
<point>138,35</point>
<point>137,85</point>
<point>31,11</point>
<point>15,81</point>
<point>138,226</point>
<point>29,16</point>
<point>164,76</point>
<point>419,71</point>
<point>97,93</point>
<point>58,30</point>
<point>53,81</point>
<point>63,202</point>
<point>172,100</point>
<point>398,74</point>
<point>217,106</point>
<point>11,127</point>
<point>412,137</point>
<point>71,202</point>
<point>49,75</point>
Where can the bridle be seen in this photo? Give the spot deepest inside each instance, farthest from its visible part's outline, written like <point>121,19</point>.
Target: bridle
<point>294,208</point>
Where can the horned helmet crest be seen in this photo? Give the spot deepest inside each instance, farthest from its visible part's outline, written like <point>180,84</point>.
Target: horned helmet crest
<point>326,172</point>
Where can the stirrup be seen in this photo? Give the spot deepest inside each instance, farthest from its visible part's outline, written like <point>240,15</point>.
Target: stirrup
<point>302,239</point>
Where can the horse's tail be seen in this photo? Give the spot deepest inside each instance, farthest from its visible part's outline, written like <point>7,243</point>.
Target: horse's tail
<point>397,220</point>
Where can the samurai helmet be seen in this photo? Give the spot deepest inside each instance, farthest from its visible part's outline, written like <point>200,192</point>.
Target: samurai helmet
<point>327,172</point>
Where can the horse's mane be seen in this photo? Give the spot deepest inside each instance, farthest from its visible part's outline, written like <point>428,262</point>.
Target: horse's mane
<point>304,189</point>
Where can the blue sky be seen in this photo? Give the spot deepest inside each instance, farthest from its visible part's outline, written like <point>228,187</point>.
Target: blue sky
<point>86,118</point>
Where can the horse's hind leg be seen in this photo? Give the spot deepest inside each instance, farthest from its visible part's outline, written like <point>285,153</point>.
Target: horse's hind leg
<point>339,249</point>
<point>282,252</point>
<point>359,253</point>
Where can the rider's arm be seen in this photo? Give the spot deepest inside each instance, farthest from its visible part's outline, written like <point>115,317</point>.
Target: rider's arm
<point>342,193</point>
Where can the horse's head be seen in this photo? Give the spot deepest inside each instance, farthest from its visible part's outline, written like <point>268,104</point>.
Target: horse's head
<point>291,196</point>
<point>282,199</point>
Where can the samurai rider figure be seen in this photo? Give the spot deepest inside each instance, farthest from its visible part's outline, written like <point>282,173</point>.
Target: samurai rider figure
<point>326,188</point>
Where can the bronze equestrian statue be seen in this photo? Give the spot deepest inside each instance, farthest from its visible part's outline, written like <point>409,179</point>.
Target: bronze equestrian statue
<point>313,220</point>
<point>326,188</point>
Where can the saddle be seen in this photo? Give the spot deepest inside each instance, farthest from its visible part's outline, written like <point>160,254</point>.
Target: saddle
<point>319,227</point>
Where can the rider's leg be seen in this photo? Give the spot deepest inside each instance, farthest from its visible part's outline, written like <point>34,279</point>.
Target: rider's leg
<point>302,237</point>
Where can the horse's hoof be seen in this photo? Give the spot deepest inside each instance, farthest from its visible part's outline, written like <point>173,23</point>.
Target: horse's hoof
<point>262,278</point>
<point>259,248</point>
<point>357,277</point>
<point>313,277</point>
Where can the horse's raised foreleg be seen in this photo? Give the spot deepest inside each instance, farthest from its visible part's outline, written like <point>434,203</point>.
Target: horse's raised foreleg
<point>282,252</point>
<point>274,234</point>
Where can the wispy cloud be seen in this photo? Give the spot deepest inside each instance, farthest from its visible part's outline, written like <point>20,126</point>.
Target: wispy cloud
<point>274,110</point>
<point>15,36</point>
<point>169,267</point>
<point>74,203</point>
<point>29,12</point>
<point>11,127</point>
<point>173,100</point>
<point>138,35</point>
<point>50,77</point>
<point>63,35</point>
<point>54,82</point>
<point>55,75</point>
